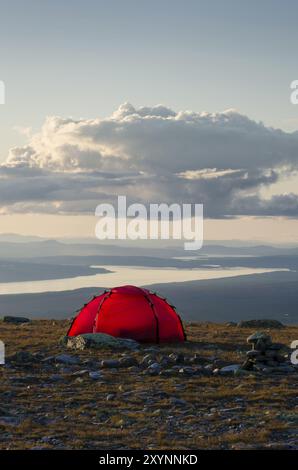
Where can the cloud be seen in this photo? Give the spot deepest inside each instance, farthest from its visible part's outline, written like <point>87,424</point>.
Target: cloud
<point>284,205</point>
<point>206,173</point>
<point>151,154</point>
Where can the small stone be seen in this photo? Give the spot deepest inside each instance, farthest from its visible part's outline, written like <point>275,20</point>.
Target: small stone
<point>111,396</point>
<point>186,371</point>
<point>48,359</point>
<point>278,347</point>
<point>242,371</point>
<point>95,375</point>
<point>232,410</point>
<point>286,368</point>
<point>176,358</point>
<point>79,373</point>
<point>147,359</point>
<point>128,361</point>
<point>270,353</point>
<point>56,378</point>
<point>178,402</point>
<point>23,357</point>
<point>154,369</point>
<point>151,349</point>
<point>229,370</point>
<point>197,360</point>
<point>260,345</point>
<point>110,363</point>
<point>259,336</point>
<point>67,359</point>
<point>133,369</point>
<point>165,362</point>
<point>253,354</point>
<point>168,372</point>
<point>9,421</point>
<point>267,370</point>
<point>79,380</point>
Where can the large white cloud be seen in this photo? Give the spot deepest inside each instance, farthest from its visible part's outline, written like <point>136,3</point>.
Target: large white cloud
<point>151,154</point>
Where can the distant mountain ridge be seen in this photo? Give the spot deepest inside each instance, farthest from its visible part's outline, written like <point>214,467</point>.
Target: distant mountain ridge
<point>18,246</point>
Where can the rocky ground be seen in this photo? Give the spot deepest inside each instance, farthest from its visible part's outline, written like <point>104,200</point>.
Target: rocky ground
<point>187,396</point>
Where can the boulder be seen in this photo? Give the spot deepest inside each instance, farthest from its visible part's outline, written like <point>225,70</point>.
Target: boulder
<point>99,341</point>
<point>260,324</point>
<point>15,320</point>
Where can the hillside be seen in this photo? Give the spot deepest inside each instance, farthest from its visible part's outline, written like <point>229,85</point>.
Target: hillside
<point>270,295</point>
<point>74,401</point>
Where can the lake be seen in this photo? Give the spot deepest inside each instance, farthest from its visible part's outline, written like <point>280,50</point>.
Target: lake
<point>121,275</point>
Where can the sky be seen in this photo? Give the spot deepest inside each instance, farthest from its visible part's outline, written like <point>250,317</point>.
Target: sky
<point>70,67</point>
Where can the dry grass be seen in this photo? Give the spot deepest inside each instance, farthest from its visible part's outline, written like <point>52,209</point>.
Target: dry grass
<point>75,413</point>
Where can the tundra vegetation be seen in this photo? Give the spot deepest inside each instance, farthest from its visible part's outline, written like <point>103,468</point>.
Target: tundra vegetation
<point>186,396</point>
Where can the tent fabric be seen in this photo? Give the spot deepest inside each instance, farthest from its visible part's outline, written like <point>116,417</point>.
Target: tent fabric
<point>130,312</point>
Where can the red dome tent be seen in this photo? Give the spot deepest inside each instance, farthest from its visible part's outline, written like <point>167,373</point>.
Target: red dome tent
<point>130,312</point>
